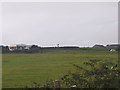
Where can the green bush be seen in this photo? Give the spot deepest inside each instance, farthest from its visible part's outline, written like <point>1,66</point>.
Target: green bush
<point>99,75</point>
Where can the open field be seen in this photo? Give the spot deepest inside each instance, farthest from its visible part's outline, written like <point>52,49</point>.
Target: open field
<point>23,69</point>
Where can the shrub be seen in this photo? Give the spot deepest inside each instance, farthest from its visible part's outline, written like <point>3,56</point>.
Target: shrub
<point>99,75</point>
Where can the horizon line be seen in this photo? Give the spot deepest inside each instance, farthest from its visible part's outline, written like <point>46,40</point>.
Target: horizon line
<point>60,45</point>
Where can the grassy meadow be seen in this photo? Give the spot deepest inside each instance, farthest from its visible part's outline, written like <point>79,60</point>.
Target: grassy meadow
<point>24,69</point>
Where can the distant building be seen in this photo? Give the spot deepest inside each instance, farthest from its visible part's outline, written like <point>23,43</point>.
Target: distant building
<point>12,47</point>
<point>112,50</point>
<point>19,47</point>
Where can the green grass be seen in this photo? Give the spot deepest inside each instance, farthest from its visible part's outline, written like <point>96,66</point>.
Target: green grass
<point>23,69</point>
<point>0,71</point>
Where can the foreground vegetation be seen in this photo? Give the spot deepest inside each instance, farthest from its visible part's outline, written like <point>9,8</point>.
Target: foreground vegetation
<point>24,69</point>
<point>100,74</point>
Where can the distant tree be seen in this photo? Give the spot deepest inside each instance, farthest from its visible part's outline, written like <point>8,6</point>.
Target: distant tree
<point>34,49</point>
<point>5,49</point>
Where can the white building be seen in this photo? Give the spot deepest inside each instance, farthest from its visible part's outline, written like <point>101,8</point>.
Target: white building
<point>112,50</point>
<point>12,47</point>
<point>19,47</point>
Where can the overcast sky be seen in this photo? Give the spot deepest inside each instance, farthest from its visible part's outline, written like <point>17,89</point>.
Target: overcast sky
<point>50,23</point>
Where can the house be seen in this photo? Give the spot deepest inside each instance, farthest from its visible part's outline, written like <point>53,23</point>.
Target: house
<point>12,47</point>
<point>112,50</point>
<point>19,47</point>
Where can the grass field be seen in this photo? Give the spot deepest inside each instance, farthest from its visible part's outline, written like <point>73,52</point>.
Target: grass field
<point>23,69</point>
